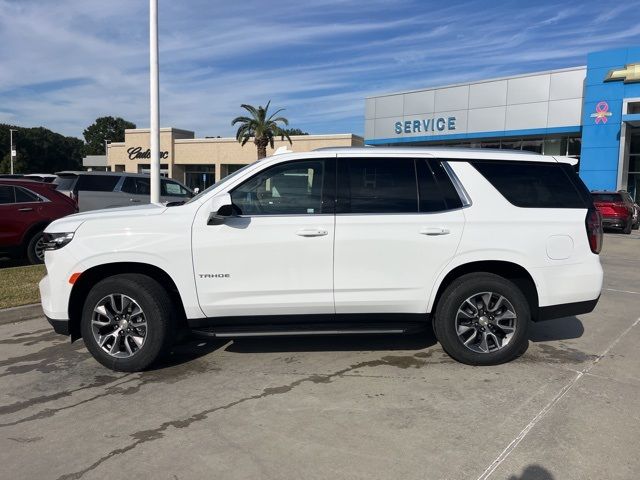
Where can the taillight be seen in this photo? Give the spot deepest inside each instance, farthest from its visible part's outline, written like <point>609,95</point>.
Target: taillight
<point>593,222</point>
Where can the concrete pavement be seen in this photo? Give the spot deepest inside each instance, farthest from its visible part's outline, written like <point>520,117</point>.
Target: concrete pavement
<point>340,408</point>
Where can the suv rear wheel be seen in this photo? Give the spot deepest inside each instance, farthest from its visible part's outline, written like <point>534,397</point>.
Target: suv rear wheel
<point>126,322</point>
<point>482,319</point>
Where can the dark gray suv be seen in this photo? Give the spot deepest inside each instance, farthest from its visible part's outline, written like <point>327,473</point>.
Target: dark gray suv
<point>97,190</point>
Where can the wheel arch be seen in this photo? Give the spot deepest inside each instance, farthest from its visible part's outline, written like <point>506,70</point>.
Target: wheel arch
<point>31,231</point>
<point>509,270</point>
<point>95,274</point>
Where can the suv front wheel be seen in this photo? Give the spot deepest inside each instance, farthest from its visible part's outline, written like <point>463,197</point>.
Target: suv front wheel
<point>482,319</point>
<point>126,322</point>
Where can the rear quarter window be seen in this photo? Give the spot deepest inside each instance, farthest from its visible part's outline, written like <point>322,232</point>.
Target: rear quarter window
<point>535,184</point>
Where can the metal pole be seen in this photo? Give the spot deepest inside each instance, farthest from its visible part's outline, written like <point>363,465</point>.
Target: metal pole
<point>154,101</point>
<point>106,153</point>
<point>13,151</point>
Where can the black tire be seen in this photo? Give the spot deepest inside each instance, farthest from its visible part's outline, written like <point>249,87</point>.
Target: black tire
<point>635,226</point>
<point>447,310</point>
<point>158,311</point>
<point>627,227</point>
<point>32,255</point>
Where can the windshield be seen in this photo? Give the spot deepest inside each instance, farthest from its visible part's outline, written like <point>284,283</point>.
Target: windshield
<point>218,183</point>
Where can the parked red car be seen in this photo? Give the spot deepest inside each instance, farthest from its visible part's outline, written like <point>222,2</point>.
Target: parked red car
<point>26,208</point>
<point>617,210</point>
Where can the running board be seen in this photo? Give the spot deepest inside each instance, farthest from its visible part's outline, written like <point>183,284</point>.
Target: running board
<point>302,330</point>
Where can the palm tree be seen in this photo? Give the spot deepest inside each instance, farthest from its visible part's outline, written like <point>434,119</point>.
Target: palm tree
<point>262,128</point>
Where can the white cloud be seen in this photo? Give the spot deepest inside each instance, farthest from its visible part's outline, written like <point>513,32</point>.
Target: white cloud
<point>66,62</point>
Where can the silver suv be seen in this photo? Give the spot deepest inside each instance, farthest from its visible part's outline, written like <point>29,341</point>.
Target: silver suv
<point>97,190</point>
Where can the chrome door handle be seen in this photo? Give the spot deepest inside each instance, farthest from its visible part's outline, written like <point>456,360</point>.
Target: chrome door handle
<point>134,200</point>
<point>312,232</point>
<point>26,209</point>
<point>432,231</point>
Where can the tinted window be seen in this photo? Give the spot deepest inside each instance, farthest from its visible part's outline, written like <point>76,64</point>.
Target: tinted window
<point>173,189</point>
<point>295,188</point>
<point>6,194</point>
<point>137,185</point>
<point>429,195</point>
<point>97,183</point>
<point>378,185</point>
<point>607,197</point>
<point>447,190</point>
<point>65,183</point>
<point>533,185</point>
<point>24,196</point>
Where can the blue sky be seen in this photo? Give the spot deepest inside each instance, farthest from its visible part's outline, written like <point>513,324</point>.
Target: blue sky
<point>65,62</point>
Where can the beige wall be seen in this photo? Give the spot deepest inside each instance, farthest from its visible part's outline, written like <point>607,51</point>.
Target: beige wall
<point>183,149</point>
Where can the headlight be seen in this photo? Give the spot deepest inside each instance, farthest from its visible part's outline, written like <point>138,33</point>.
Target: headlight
<point>54,241</point>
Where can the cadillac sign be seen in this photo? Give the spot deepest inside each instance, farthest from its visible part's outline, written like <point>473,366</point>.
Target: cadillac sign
<point>137,152</point>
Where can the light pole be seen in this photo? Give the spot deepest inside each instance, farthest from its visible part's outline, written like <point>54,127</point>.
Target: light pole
<point>106,152</point>
<point>154,101</point>
<point>13,150</point>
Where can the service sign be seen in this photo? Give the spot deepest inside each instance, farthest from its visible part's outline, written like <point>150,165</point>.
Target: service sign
<point>426,125</point>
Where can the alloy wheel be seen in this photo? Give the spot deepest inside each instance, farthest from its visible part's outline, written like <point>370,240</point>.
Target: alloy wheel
<point>39,248</point>
<point>486,322</point>
<point>119,325</point>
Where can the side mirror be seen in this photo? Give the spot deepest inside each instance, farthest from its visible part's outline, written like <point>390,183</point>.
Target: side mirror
<point>221,209</point>
<point>196,190</point>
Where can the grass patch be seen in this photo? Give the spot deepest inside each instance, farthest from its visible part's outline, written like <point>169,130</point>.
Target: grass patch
<point>19,285</point>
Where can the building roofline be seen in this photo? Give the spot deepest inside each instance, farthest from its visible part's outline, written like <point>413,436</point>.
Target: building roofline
<point>474,82</point>
<point>293,137</point>
<point>163,129</point>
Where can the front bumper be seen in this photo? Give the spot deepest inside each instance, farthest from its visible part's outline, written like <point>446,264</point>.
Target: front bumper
<point>59,326</point>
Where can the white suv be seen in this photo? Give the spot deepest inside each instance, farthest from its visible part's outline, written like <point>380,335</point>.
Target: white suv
<point>335,241</point>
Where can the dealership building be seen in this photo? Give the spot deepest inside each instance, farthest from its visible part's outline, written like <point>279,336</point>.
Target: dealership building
<point>590,112</point>
<point>199,162</point>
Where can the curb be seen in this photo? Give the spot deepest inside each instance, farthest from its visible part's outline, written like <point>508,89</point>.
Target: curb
<point>19,314</point>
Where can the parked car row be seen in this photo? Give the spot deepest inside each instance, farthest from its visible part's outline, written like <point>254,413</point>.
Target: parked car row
<point>26,208</point>
<point>98,190</point>
<point>28,203</point>
<point>618,210</point>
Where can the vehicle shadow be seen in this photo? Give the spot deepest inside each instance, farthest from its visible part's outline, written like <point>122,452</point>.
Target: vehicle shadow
<point>533,472</point>
<point>560,329</point>
<point>187,350</point>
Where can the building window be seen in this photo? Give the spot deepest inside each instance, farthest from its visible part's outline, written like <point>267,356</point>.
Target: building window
<point>164,169</point>
<point>199,176</point>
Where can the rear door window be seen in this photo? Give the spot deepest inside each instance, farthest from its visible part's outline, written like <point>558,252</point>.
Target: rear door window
<point>533,184</point>
<point>97,183</point>
<point>435,188</point>
<point>377,185</point>
<point>137,185</point>
<point>25,196</point>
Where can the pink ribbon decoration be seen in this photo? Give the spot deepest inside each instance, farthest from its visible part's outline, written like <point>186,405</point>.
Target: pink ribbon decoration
<point>602,112</point>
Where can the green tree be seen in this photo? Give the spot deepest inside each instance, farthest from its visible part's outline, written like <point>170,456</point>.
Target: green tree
<point>260,127</point>
<point>39,150</point>
<point>295,131</point>
<point>104,128</point>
